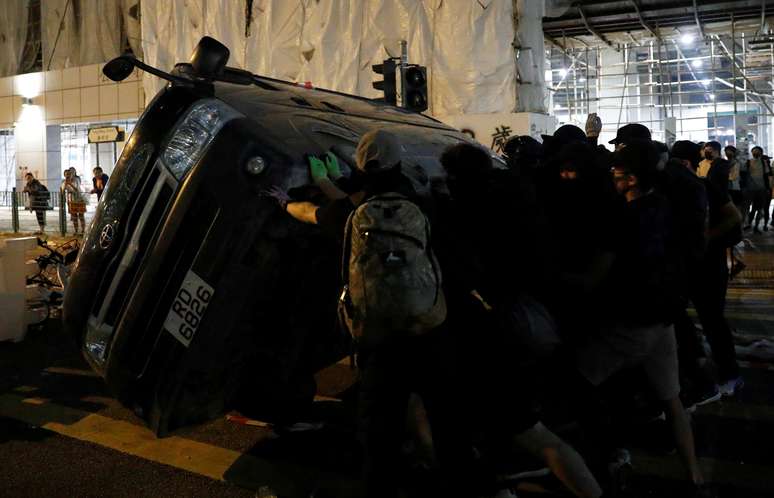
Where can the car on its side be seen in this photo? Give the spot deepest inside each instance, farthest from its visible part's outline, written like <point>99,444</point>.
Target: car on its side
<point>193,293</point>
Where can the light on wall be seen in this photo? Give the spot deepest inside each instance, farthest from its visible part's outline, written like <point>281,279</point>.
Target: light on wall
<point>29,85</point>
<point>687,39</point>
<point>30,113</point>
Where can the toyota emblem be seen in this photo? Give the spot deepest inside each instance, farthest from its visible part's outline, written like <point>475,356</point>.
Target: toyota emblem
<point>106,236</point>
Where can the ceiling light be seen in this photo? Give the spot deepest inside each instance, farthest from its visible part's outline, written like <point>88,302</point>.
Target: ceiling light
<point>712,96</point>
<point>705,82</point>
<point>582,80</point>
<point>687,39</point>
<point>563,72</point>
<point>557,107</point>
<point>697,63</point>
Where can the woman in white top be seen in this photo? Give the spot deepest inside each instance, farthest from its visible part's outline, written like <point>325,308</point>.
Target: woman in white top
<point>76,201</point>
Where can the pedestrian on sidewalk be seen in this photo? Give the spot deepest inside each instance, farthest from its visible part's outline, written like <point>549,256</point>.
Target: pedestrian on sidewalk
<point>38,199</point>
<point>759,185</point>
<point>76,201</point>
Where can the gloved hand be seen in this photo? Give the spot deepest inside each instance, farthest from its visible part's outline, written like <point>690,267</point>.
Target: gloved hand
<point>593,125</point>
<point>278,195</point>
<point>332,165</point>
<point>317,168</point>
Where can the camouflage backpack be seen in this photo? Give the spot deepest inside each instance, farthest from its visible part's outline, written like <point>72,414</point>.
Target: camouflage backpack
<point>392,281</point>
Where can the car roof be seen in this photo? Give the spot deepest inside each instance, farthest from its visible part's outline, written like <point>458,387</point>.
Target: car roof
<point>252,100</point>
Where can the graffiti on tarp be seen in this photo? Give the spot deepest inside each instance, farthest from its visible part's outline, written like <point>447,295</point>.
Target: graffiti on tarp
<point>499,137</point>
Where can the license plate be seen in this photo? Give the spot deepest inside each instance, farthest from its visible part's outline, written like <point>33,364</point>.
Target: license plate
<point>188,308</point>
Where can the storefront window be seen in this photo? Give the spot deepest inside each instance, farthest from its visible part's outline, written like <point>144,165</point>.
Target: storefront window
<point>7,162</point>
<point>77,152</point>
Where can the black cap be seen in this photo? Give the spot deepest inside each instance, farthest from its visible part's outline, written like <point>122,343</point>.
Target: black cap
<point>632,131</point>
<point>565,134</point>
<point>686,150</point>
<point>523,147</point>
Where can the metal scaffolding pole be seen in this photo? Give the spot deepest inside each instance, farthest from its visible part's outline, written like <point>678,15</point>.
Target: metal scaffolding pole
<point>712,95</point>
<point>733,60</point>
<point>587,78</point>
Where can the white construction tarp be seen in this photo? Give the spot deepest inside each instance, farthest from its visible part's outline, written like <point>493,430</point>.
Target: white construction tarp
<point>130,14</point>
<point>82,32</point>
<point>466,45</point>
<point>59,34</point>
<point>99,31</point>
<point>172,28</point>
<point>13,35</point>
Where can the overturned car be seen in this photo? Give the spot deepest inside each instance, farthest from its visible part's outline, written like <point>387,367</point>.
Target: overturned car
<point>193,293</point>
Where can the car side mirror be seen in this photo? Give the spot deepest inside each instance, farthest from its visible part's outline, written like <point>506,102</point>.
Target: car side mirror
<point>209,58</point>
<point>119,68</point>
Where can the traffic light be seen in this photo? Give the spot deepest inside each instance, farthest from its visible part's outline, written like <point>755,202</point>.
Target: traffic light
<point>389,84</point>
<point>413,80</point>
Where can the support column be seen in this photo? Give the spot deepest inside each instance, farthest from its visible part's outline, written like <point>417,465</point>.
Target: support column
<point>53,157</point>
<point>531,61</point>
<point>609,92</point>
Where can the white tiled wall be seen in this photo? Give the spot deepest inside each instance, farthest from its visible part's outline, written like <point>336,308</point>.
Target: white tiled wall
<point>72,95</point>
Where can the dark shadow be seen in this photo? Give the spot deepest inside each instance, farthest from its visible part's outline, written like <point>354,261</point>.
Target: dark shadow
<point>298,463</point>
<point>15,430</point>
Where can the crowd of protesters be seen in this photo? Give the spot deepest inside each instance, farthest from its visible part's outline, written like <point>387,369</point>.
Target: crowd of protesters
<point>567,273</point>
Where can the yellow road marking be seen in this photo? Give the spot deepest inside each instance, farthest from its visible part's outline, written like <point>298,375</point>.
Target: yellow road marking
<point>25,389</point>
<point>71,371</point>
<point>35,401</point>
<point>742,316</point>
<point>200,458</point>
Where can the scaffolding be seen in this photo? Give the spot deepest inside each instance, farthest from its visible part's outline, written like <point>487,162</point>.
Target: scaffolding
<point>709,84</point>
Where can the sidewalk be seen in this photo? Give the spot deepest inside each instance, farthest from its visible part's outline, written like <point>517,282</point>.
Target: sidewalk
<point>28,222</point>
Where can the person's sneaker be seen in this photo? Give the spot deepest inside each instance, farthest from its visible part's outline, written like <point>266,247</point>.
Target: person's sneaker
<point>505,493</point>
<point>699,398</point>
<point>757,230</point>
<point>747,227</point>
<point>731,387</point>
<point>525,474</point>
<point>765,228</point>
<point>737,269</point>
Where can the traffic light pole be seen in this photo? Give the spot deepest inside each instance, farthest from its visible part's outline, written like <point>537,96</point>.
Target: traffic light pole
<point>412,94</point>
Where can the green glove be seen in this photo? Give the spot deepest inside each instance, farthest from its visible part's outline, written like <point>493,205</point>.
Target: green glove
<point>317,168</point>
<point>332,165</point>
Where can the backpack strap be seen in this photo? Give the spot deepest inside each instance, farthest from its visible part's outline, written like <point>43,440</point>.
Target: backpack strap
<point>346,249</point>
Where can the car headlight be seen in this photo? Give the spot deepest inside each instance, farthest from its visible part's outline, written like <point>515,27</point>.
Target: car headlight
<point>194,133</point>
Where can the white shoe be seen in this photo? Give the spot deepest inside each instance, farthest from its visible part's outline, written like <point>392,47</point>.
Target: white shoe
<point>505,493</point>
<point>731,387</point>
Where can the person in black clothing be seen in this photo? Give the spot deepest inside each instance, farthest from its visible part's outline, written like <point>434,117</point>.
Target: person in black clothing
<point>391,372</point>
<point>759,174</point>
<point>581,207</point>
<point>708,278</point>
<point>523,153</point>
<point>635,328</point>
<point>39,197</point>
<point>719,168</point>
<point>489,238</point>
<point>99,182</point>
